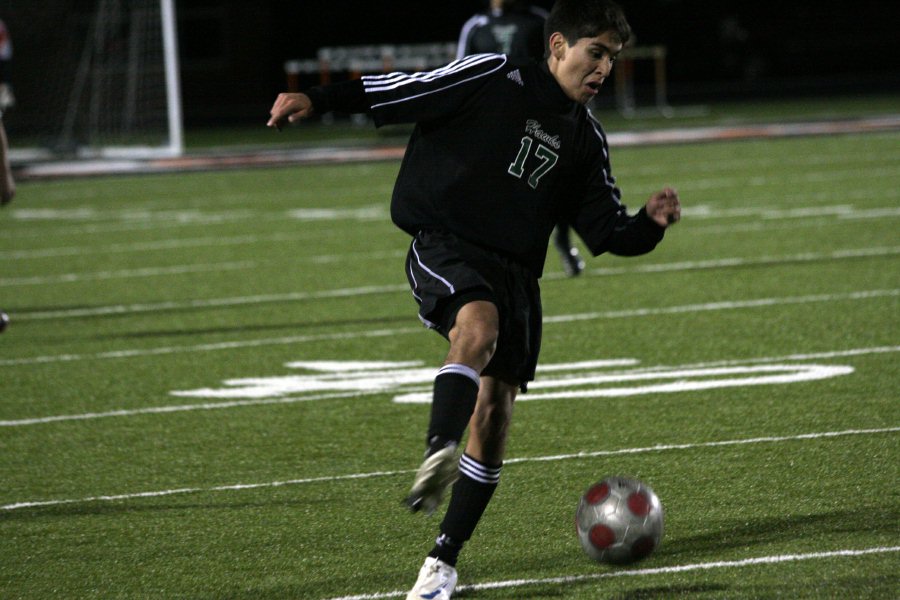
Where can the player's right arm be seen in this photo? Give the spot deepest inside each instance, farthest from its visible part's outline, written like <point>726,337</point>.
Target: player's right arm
<point>393,97</point>
<point>290,107</point>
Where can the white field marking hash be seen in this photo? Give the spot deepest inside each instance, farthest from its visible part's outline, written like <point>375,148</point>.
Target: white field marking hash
<point>826,435</point>
<point>570,579</point>
<point>685,380</point>
<point>374,212</point>
<point>89,213</point>
<point>120,309</point>
<point>718,263</point>
<point>733,305</point>
<point>237,403</point>
<point>411,383</point>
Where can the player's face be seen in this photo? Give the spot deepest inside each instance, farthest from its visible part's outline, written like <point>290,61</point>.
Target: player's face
<point>581,69</point>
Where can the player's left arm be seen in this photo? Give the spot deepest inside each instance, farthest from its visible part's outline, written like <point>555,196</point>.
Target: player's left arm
<point>664,207</point>
<point>603,222</point>
<point>606,226</point>
<point>639,234</point>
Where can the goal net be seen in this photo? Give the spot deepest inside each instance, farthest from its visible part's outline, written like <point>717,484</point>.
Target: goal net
<point>122,88</point>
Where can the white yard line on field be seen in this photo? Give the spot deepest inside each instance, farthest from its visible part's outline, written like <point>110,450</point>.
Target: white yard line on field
<point>355,476</point>
<point>671,267</point>
<point>549,320</point>
<point>170,244</point>
<point>292,399</point>
<point>649,572</point>
<point>161,410</point>
<point>214,347</point>
<point>691,213</point>
<point>127,273</point>
<point>391,254</point>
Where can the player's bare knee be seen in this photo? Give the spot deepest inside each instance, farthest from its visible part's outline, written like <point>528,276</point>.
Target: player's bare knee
<point>473,342</point>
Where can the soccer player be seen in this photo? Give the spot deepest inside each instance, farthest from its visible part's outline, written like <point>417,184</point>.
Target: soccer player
<point>499,154</point>
<point>7,100</point>
<point>516,28</point>
<point>511,27</point>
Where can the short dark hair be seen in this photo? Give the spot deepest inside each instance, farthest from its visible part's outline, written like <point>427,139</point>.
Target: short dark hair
<point>577,19</point>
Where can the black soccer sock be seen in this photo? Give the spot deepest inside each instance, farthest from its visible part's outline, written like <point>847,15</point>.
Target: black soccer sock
<point>471,494</point>
<point>446,549</point>
<point>455,393</point>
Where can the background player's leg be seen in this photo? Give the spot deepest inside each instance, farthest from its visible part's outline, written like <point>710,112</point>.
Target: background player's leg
<point>572,262</point>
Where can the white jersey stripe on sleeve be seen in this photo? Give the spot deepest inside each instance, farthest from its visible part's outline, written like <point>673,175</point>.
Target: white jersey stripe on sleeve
<point>392,81</point>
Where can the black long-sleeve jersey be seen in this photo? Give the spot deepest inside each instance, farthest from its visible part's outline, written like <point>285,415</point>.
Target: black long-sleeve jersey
<point>498,156</point>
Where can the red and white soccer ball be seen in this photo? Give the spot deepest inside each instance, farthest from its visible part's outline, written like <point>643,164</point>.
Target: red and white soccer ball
<point>619,521</point>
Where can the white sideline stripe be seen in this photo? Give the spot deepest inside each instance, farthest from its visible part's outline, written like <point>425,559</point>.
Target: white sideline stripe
<point>356,393</point>
<point>666,447</point>
<point>760,302</point>
<point>730,305</point>
<point>745,226</point>
<point>372,474</point>
<point>721,564</point>
<point>121,309</point>
<point>710,183</point>
<point>757,163</point>
<point>127,273</point>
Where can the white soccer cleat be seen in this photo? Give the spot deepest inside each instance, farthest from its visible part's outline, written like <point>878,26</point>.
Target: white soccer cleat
<point>436,474</point>
<point>436,581</point>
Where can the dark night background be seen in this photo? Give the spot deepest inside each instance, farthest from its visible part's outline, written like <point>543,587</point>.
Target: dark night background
<point>233,51</point>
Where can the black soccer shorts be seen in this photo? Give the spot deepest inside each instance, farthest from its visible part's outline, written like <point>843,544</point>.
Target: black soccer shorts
<point>446,273</point>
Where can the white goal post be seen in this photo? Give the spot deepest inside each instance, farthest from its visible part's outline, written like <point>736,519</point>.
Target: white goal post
<point>124,99</point>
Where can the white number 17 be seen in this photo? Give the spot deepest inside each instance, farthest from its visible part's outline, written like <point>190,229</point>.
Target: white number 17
<point>548,161</point>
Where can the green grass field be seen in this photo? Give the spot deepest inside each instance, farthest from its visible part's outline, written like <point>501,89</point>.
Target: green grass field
<point>202,392</point>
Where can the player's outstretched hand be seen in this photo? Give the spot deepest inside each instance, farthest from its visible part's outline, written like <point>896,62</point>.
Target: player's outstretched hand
<point>290,107</point>
<point>664,207</point>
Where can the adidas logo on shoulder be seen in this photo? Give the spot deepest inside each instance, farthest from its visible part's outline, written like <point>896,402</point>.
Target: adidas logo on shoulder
<point>515,76</point>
